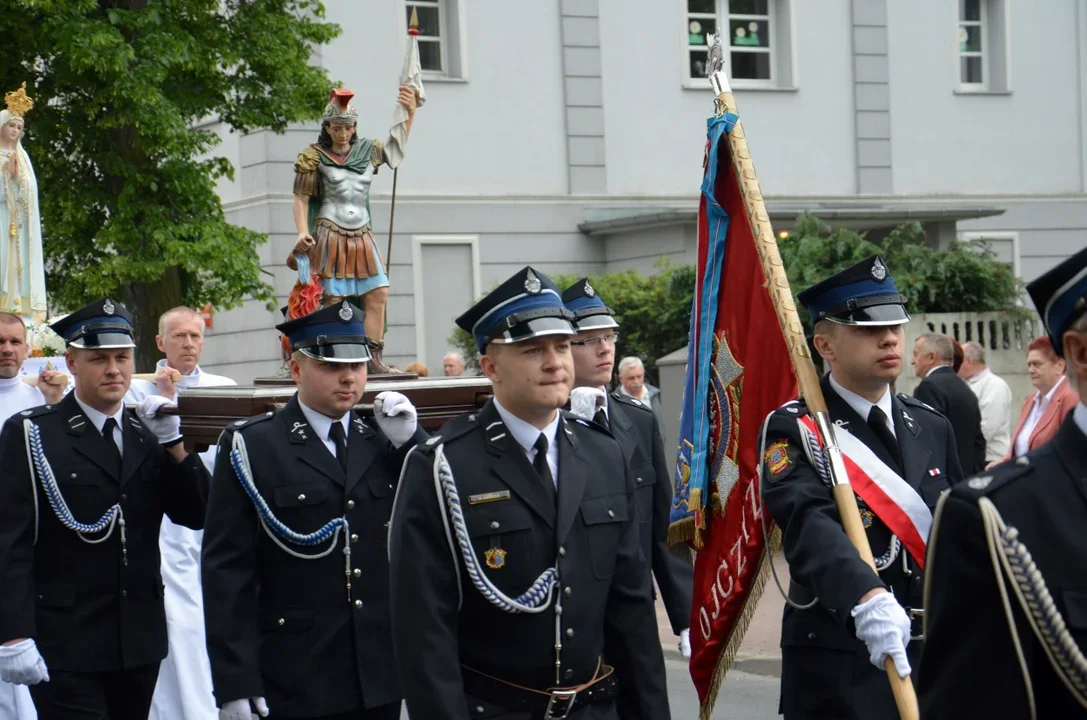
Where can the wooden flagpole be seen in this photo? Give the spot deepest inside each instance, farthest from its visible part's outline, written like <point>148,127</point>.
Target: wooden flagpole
<point>808,380</point>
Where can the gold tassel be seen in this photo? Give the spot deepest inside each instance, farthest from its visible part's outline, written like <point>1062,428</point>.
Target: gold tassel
<point>732,647</point>
<point>681,531</point>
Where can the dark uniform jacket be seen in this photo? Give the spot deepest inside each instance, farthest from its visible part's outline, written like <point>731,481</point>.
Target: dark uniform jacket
<point>607,608</point>
<point>282,627</point>
<point>948,393</point>
<point>634,426</point>
<point>86,609</point>
<point>970,666</point>
<point>825,668</point>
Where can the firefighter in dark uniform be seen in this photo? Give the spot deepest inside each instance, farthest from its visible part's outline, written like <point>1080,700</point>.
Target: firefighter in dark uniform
<point>634,425</point>
<point>83,490</point>
<point>842,620</point>
<point>515,560</point>
<point>1006,594</point>
<point>294,561</point>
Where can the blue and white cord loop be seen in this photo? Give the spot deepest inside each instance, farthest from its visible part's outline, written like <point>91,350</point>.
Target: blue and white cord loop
<point>279,532</point>
<point>39,465</point>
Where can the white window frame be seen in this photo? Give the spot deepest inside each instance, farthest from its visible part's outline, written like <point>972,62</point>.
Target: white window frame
<point>452,18</point>
<point>419,282</point>
<point>781,49</point>
<point>982,25</point>
<point>967,235</point>
<point>995,29</point>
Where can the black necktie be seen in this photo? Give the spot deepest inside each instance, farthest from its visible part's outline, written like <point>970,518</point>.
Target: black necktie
<point>877,420</point>
<point>539,463</point>
<point>111,442</point>
<point>339,439</point>
<point>601,418</point>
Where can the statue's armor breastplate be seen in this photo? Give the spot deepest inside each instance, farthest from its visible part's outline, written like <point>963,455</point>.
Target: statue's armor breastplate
<point>343,195</point>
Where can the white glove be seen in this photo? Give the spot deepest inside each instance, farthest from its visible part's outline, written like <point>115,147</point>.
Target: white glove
<point>883,626</point>
<point>685,643</point>
<point>20,664</point>
<point>396,417</point>
<point>167,428</point>
<point>240,710</point>
<point>583,401</point>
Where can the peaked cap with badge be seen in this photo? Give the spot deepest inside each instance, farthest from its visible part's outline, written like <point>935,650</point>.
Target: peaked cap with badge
<point>1007,561</point>
<point>527,305</point>
<point>590,312</point>
<point>104,324</point>
<point>333,334</point>
<point>862,294</point>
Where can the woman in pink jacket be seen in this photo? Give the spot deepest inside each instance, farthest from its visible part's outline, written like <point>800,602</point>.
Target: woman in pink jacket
<point>1044,411</point>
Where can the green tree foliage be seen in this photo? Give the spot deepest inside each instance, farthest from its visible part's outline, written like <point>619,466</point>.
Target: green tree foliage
<point>652,311</point>
<point>965,277</point>
<point>126,176</point>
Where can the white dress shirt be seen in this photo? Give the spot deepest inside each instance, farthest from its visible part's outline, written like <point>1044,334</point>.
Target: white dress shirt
<point>526,435</point>
<point>862,406</point>
<point>995,401</point>
<point>1022,440</point>
<point>1080,417</point>
<point>322,424</point>
<point>140,388</point>
<point>98,419</point>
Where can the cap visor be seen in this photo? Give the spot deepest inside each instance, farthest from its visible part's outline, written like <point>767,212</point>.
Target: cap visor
<point>537,327</point>
<point>594,322</point>
<point>874,315</point>
<point>103,341</point>
<point>339,353</point>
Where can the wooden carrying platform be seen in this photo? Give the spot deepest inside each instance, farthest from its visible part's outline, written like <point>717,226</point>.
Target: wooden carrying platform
<point>205,411</point>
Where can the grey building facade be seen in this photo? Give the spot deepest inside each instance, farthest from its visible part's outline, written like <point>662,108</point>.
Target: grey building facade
<point>568,134</point>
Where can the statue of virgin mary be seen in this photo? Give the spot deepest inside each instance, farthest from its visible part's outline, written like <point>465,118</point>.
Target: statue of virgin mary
<point>22,270</point>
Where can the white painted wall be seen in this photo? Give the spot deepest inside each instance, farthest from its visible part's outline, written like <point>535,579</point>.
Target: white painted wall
<point>1028,141</point>
<point>802,142</point>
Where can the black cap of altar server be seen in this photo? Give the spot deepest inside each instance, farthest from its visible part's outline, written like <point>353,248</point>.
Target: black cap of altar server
<point>590,312</point>
<point>526,306</point>
<point>1060,296</point>
<point>862,294</point>
<point>332,334</point>
<point>102,325</point>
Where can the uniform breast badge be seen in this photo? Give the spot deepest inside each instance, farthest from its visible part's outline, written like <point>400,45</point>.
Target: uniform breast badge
<point>866,518</point>
<point>496,558</point>
<point>777,458</point>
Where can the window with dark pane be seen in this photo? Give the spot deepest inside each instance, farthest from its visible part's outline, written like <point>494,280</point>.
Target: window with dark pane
<point>429,14</point>
<point>749,7</point>
<point>698,60</point>
<point>749,33</point>
<point>971,42</point>
<point>703,7</point>
<point>751,65</point>
<point>971,70</point>
<point>701,19</point>
<point>430,55</point>
<point>970,10</point>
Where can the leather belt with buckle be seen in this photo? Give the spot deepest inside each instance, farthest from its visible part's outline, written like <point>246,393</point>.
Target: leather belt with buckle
<point>917,623</point>
<point>551,704</point>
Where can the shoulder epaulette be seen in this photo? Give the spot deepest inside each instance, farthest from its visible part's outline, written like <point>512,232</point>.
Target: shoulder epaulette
<point>631,402</point>
<point>911,400</point>
<point>246,422</point>
<point>456,428</point>
<point>992,480</point>
<point>307,161</point>
<point>35,411</point>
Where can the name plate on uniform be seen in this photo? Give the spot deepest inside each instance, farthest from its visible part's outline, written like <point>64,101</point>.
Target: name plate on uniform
<point>488,497</point>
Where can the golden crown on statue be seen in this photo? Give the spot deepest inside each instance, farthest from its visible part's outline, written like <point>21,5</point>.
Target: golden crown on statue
<point>19,104</point>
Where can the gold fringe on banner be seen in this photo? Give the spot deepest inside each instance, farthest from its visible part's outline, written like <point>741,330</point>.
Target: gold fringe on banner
<point>728,655</point>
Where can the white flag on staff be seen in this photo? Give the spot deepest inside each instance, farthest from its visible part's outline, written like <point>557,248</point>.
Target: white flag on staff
<point>412,76</point>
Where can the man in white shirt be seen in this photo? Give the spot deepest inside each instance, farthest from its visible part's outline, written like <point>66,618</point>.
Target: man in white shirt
<point>16,396</point>
<point>184,683</point>
<point>994,398</point>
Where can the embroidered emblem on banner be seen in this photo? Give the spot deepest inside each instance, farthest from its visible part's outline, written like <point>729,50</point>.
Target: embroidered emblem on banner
<point>777,458</point>
<point>496,558</point>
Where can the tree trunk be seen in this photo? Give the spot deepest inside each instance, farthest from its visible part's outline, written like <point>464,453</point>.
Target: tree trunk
<point>147,302</point>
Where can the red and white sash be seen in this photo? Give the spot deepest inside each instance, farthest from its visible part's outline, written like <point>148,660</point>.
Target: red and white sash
<point>884,491</point>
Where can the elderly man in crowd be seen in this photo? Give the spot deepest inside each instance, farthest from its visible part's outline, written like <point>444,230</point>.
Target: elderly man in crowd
<point>632,384</point>
<point>994,399</point>
<point>453,364</point>
<point>184,683</point>
<point>941,388</point>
